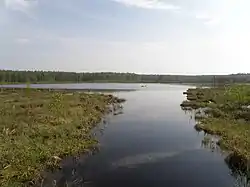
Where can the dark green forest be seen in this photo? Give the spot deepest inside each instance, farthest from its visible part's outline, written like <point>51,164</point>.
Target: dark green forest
<point>8,76</point>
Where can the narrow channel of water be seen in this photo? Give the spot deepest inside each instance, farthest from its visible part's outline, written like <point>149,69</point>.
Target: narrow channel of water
<point>152,143</point>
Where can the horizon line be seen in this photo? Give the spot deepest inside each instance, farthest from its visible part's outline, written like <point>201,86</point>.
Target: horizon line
<point>117,72</point>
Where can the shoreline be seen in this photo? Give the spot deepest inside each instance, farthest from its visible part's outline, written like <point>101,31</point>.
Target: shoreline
<point>69,89</point>
<point>221,111</point>
<point>40,128</point>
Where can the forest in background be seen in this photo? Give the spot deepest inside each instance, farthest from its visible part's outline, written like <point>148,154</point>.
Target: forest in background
<point>9,76</point>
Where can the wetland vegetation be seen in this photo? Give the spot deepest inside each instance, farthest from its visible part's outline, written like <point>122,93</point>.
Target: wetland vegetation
<point>41,127</point>
<point>223,111</point>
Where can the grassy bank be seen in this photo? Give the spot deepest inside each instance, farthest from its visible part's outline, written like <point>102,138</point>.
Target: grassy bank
<point>39,128</point>
<point>224,111</point>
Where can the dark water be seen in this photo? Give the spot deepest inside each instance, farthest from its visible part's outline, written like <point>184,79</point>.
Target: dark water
<point>153,143</point>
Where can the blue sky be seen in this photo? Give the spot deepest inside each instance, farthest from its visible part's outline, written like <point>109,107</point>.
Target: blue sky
<point>142,36</point>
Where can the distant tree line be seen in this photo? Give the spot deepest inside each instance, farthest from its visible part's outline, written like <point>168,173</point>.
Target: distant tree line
<point>8,76</point>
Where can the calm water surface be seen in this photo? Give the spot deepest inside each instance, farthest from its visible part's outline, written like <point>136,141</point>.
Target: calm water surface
<point>153,143</point>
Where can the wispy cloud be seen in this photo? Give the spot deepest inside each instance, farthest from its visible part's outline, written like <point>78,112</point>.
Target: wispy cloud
<point>213,21</point>
<point>23,40</point>
<point>149,4</point>
<point>24,6</point>
<point>207,19</point>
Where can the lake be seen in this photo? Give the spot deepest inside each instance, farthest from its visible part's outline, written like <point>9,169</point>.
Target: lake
<point>151,143</point>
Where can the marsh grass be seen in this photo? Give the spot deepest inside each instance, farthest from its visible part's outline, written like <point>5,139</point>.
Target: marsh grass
<point>40,127</point>
<point>226,113</point>
<point>240,169</point>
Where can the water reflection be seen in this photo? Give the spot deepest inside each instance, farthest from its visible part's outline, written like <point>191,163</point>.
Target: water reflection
<point>70,172</point>
<point>150,143</point>
<point>147,158</point>
<point>239,167</point>
<point>210,142</point>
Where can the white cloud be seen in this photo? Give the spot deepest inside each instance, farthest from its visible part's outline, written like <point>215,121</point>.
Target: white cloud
<point>213,21</point>
<point>207,19</point>
<point>23,40</point>
<point>203,17</point>
<point>148,4</point>
<point>20,5</point>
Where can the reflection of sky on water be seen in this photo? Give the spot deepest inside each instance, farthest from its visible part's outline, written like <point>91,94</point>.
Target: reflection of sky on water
<point>153,143</point>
